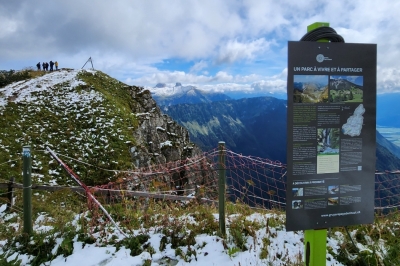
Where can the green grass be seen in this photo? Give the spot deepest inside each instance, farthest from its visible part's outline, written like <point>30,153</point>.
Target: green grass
<point>102,138</point>
<point>178,225</point>
<point>357,95</point>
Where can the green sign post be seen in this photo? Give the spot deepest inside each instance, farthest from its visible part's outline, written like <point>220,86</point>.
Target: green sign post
<point>27,191</point>
<point>331,136</point>
<point>315,247</point>
<point>315,240</point>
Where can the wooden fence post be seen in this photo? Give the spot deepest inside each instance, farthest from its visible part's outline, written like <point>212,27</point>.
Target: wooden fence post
<point>27,189</point>
<point>10,194</point>
<point>221,187</point>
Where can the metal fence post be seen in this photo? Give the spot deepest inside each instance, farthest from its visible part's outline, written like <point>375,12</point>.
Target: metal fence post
<point>221,187</point>
<point>10,194</point>
<point>27,189</point>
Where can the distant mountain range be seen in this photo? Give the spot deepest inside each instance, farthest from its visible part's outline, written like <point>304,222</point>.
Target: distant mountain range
<point>392,148</point>
<point>388,114</point>
<point>252,126</point>
<point>166,95</point>
<point>257,127</point>
<point>385,159</point>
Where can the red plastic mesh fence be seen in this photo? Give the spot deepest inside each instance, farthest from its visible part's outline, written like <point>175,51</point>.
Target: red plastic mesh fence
<point>254,181</point>
<point>195,176</point>
<point>251,180</point>
<point>387,191</point>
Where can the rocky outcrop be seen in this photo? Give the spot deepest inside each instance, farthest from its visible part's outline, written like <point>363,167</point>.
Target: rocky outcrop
<point>161,140</point>
<point>160,85</point>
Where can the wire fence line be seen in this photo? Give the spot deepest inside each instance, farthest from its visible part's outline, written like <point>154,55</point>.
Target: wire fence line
<point>257,182</point>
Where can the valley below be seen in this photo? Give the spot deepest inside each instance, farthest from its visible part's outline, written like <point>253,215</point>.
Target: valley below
<point>390,133</point>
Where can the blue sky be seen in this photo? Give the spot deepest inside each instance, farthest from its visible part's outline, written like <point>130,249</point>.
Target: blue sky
<point>217,45</point>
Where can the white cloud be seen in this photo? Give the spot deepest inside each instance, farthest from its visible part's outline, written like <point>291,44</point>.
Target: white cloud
<point>222,76</point>
<point>227,87</point>
<point>190,78</point>
<point>198,66</point>
<point>220,82</point>
<point>270,86</point>
<point>388,79</point>
<point>235,51</point>
<point>168,77</point>
<point>8,27</point>
<point>130,40</point>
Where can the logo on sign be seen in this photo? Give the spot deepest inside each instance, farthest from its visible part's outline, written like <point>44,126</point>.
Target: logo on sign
<point>321,58</point>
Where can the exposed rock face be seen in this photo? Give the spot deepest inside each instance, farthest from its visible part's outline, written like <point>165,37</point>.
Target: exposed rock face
<point>160,85</point>
<point>161,140</point>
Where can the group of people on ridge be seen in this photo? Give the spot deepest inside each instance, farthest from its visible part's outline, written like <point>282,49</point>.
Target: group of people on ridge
<point>46,65</point>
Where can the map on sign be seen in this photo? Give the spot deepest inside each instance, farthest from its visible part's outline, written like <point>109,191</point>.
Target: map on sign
<point>355,122</point>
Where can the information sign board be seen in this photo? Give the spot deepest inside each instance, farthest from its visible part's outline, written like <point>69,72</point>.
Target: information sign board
<point>331,134</point>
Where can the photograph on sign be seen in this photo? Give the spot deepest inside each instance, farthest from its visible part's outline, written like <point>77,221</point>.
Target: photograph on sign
<point>310,89</point>
<point>346,89</point>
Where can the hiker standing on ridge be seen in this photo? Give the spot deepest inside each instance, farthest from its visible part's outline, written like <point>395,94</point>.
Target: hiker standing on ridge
<point>51,65</point>
<point>44,66</point>
<point>38,66</point>
<point>56,64</point>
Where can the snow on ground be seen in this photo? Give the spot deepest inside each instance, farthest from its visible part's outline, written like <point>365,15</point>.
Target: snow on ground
<point>284,247</point>
<point>23,91</point>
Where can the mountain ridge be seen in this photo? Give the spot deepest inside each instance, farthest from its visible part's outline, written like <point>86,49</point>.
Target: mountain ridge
<point>234,122</point>
<point>205,132</point>
<point>89,116</point>
<point>189,95</point>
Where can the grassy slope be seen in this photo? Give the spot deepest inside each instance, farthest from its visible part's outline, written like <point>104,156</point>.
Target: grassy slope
<point>98,132</point>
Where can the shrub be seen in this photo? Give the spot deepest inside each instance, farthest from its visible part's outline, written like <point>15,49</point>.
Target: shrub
<point>8,77</point>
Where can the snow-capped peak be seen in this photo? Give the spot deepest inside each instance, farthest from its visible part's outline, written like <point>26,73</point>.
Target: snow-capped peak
<point>164,89</point>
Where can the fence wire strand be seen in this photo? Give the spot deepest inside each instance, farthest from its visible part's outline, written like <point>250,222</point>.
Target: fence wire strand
<point>254,181</point>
